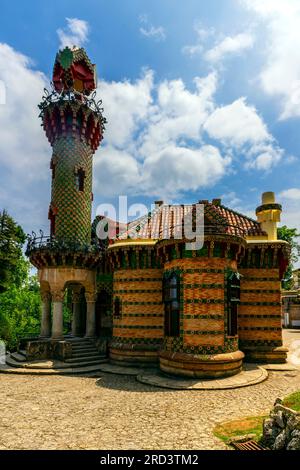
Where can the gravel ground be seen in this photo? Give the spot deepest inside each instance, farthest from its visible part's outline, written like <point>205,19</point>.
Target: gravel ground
<point>59,412</point>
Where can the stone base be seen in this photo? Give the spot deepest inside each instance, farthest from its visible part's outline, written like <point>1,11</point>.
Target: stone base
<point>266,355</point>
<point>133,357</point>
<point>48,349</point>
<point>188,365</point>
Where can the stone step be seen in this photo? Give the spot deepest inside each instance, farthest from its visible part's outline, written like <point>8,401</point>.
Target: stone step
<point>80,348</point>
<point>54,365</point>
<point>85,354</point>
<point>80,342</point>
<point>22,352</point>
<point>18,357</point>
<point>84,370</point>
<point>94,357</point>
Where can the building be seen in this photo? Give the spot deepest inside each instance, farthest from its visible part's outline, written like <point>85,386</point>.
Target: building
<point>296,279</point>
<point>291,303</point>
<point>196,312</point>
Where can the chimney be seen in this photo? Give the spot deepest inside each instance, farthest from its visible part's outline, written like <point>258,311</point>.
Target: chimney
<point>268,215</point>
<point>216,202</point>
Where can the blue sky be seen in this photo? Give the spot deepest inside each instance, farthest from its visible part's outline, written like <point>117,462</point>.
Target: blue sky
<point>202,100</point>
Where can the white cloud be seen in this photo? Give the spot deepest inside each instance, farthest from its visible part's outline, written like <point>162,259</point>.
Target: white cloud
<point>231,45</point>
<point>126,106</point>
<point>280,75</point>
<point>175,167</point>
<point>24,150</point>
<point>147,29</point>
<point>155,142</point>
<point>193,50</point>
<point>221,48</point>
<point>74,34</point>
<point>290,199</point>
<point>237,124</point>
<point>203,34</point>
<point>292,194</point>
<point>115,172</point>
<point>161,127</point>
<point>22,144</point>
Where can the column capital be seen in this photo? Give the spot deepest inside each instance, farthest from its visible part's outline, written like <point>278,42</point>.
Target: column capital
<point>46,296</point>
<point>58,295</point>
<point>90,296</point>
<point>75,297</point>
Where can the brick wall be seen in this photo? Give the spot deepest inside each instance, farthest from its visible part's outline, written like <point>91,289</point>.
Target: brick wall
<point>260,309</point>
<point>140,292</point>
<point>203,315</point>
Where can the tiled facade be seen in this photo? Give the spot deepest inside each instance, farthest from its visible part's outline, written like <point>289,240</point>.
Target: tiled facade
<point>196,312</point>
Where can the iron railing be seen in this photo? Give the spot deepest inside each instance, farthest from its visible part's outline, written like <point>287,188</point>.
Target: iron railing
<point>72,95</point>
<point>51,243</point>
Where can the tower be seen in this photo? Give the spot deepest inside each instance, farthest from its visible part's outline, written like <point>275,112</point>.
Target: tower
<point>268,214</point>
<point>66,259</point>
<point>74,126</point>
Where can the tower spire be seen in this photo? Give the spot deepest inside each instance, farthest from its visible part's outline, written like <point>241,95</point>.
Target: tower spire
<point>74,126</point>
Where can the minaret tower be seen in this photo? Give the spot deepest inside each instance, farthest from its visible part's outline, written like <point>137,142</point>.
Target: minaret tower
<point>74,129</point>
<point>66,259</point>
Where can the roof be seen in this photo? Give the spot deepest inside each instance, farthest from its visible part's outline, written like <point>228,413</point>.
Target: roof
<point>165,221</point>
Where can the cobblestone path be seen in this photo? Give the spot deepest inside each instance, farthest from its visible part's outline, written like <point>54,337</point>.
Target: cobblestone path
<point>59,412</point>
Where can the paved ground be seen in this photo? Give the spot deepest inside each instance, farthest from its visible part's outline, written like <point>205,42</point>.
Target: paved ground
<point>120,413</point>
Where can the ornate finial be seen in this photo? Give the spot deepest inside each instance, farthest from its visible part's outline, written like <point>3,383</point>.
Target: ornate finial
<point>73,71</point>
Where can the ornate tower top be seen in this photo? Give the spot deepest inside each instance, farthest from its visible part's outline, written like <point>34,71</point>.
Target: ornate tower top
<point>74,125</point>
<point>73,71</point>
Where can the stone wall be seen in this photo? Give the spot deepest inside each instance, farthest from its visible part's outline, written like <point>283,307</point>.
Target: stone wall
<point>281,431</point>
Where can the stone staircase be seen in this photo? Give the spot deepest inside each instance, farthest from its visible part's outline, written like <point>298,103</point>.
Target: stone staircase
<point>85,359</point>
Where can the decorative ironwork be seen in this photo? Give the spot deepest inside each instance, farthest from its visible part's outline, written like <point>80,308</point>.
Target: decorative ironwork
<point>52,244</point>
<point>75,96</point>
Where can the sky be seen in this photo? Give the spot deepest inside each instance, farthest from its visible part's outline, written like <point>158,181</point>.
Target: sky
<point>202,101</point>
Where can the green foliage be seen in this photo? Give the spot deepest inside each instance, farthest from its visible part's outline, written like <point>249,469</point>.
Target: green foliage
<point>291,236</point>
<point>19,311</point>
<point>12,238</point>
<point>19,291</point>
<point>293,401</point>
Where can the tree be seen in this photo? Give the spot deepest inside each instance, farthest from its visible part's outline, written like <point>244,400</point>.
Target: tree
<point>19,291</point>
<point>12,238</point>
<point>20,306</point>
<point>291,236</point>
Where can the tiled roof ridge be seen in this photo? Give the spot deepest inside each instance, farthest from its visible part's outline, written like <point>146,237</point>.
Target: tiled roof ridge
<point>239,214</point>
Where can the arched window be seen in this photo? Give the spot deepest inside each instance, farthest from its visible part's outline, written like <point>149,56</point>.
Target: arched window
<point>79,179</point>
<point>117,307</point>
<point>51,217</point>
<point>171,299</point>
<point>53,167</point>
<point>233,296</point>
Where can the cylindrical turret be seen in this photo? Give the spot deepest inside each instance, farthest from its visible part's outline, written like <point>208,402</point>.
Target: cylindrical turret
<point>74,126</point>
<point>268,215</point>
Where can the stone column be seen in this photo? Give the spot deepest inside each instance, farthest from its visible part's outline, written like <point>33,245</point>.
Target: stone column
<point>46,315</point>
<point>90,314</point>
<point>57,316</point>
<point>76,311</point>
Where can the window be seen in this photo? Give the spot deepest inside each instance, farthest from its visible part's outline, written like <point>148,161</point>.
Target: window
<point>117,307</point>
<point>79,180</point>
<point>233,295</point>
<point>51,217</point>
<point>171,298</point>
<point>53,167</point>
